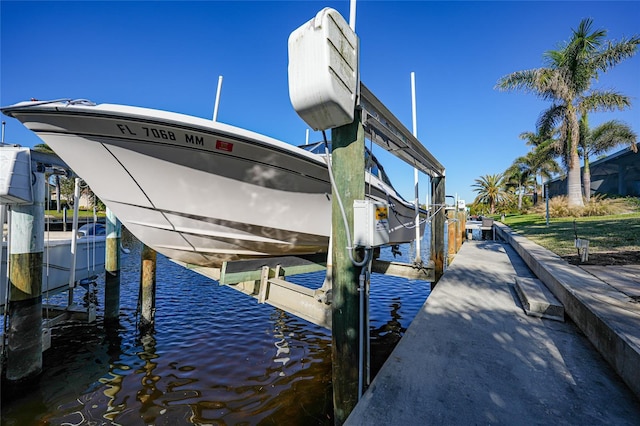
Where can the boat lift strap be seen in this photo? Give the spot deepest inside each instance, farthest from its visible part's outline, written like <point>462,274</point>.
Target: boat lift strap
<point>385,130</point>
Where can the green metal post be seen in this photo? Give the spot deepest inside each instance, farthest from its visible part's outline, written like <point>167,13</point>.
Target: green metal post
<point>24,351</point>
<point>348,169</point>
<point>112,267</point>
<point>437,227</point>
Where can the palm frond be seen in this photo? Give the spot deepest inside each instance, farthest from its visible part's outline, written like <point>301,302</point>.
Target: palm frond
<point>604,100</point>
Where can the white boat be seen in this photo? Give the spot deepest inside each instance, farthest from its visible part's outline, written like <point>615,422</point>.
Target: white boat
<point>199,191</point>
<point>56,259</point>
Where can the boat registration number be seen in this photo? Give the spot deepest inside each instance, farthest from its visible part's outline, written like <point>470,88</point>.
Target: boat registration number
<point>162,134</point>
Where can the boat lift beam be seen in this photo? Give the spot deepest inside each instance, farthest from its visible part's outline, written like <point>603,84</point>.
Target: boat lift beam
<point>386,131</point>
<point>265,281</point>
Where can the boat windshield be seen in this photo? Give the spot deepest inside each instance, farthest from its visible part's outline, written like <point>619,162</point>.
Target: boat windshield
<point>371,162</point>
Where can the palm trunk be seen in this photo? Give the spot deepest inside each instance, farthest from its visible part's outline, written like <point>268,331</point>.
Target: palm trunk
<point>586,178</point>
<point>520,190</point>
<point>574,187</point>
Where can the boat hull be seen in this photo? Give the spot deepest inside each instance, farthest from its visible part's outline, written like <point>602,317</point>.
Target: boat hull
<point>197,191</point>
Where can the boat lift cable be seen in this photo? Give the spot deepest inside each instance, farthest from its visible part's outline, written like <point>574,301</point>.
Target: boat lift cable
<point>399,215</point>
<point>367,252</point>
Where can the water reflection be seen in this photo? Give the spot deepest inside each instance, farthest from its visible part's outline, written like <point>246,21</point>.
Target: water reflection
<point>214,357</point>
<point>385,337</point>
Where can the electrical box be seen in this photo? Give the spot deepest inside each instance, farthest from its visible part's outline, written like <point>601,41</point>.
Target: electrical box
<point>370,223</point>
<point>46,338</point>
<point>323,71</point>
<point>15,175</point>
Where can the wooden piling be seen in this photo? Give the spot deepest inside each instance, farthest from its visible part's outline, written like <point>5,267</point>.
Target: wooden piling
<point>147,289</point>
<point>451,236</point>
<point>462,221</point>
<point>348,169</point>
<point>437,226</point>
<point>112,267</point>
<point>24,349</point>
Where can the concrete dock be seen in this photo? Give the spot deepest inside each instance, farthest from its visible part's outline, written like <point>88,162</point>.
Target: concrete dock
<point>472,355</point>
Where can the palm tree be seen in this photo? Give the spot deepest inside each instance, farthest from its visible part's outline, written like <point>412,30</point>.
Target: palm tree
<point>520,176</point>
<point>600,140</point>
<point>542,158</point>
<point>566,81</point>
<point>491,190</point>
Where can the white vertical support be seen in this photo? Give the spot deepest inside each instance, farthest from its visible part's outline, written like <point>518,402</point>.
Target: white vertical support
<point>74,240</point>
<point>352,15</point>
<point>418,258</point>
<point>217,103</point>
<point>264,284</point>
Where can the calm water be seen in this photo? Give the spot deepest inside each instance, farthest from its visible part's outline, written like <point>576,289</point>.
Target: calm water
<point>215,357</point>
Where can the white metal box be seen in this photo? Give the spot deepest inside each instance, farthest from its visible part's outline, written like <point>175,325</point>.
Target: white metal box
<point>370,223</point>
<point>46,338</point>
<point>323,70</point>
<point>15,175</point>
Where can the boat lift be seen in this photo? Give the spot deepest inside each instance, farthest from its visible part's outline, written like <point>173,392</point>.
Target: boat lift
<point>265,279</point>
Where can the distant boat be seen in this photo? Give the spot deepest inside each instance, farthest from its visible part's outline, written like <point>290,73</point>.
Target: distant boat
<point>56,268</point>
<point>199,191</point>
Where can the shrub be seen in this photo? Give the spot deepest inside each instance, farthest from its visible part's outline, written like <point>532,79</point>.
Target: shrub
<point>598,206</point>
<point>559,207</point>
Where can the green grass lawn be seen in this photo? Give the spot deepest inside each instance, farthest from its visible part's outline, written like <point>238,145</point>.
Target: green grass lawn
<point>614,233</point>
<point>81,214</point>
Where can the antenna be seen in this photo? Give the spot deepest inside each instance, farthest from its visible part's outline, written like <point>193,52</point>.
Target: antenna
<point>215,107</point>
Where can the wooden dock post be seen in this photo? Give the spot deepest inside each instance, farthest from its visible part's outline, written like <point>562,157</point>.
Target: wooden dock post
<point>462,229</point>
<point>24,350</point>
<point>348,169</point>
<point>452,235</point>
<point>437,226</point>
<point>112,267</point>
<point>147,289</point>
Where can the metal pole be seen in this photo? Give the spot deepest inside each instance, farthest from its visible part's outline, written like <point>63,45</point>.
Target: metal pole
<point>112,267</point>
<point>418,258</point>
<point>74,240</point>
<point>24,351</point>
<point>217,103</point>
<point>352,15</point>
<point>546,198</point>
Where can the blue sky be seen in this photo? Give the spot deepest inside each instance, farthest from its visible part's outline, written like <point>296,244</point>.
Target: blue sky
<point>168,55</point>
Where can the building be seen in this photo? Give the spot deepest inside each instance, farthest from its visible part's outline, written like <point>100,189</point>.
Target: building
<point>617,174</point>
